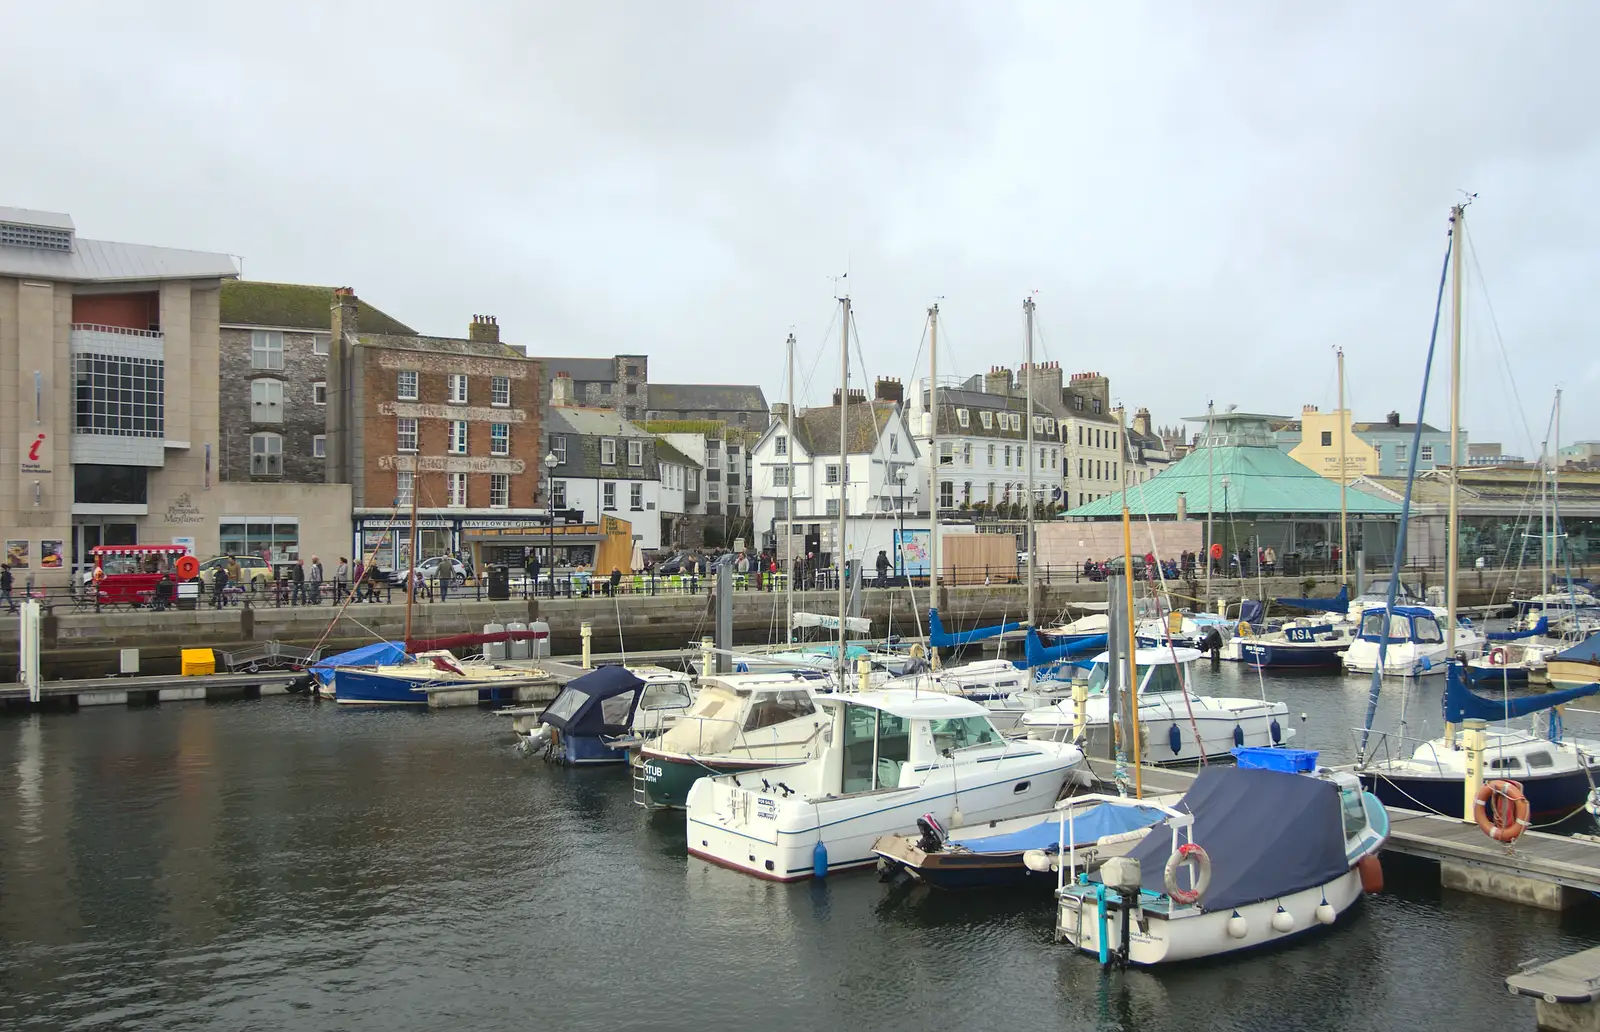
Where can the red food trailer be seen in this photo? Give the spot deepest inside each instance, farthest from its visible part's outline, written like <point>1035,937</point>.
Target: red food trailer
<point>127,574</point>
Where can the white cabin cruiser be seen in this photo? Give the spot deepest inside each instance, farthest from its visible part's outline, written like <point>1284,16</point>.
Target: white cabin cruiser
<point>1171,715</point>
<point>888,758</point>
<point>995,684</point>
<point>1416,644</point>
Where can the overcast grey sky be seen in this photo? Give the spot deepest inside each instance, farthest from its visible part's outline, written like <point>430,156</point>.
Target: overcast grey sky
<point>1207,198</point>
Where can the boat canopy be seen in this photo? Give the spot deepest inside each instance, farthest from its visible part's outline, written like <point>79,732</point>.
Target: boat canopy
<point>1268,834</point>
<point>1586,651</point>
<point>1461,702</point>
<point>939,638</point>
<point>379,653</point>
<point>1038,653</point>
<point>1088,826</point>
<point>853,624</point>
<point>1406,623</point>
<point>1339,603</point>
<point>1533,632</point>
<point>598,703</point>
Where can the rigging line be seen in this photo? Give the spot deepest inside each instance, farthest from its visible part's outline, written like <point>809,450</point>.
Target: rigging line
<point>1494,324</point>
<point>1172,649</point>
<point>822,349</point>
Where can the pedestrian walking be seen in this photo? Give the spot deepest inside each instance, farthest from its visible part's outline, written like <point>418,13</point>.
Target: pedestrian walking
<point>219,587</point>
<point>341,580</point>
<point>315,589</point>
<point>297,584</point>
<point>883,568</point>
<point>6,580</point>
<point>444,573</point>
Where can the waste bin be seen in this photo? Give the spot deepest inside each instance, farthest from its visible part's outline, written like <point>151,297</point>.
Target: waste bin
<point>499,583</point>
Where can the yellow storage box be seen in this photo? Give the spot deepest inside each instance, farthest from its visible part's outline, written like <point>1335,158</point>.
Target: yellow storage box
<point>198,661</point>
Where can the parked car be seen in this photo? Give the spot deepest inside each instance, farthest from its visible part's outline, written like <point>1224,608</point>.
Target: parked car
<point>429,568</point>
<point>253,570</point>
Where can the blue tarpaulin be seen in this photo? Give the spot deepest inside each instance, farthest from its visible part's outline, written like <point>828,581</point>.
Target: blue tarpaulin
<point>382,653</point>
<point>1038,653</point>
<point>1461,702</point>
<point>1339,603</point>
<point>1532,632</point>
<point>1268,834</point>
<point>1586,651</point>
<point>1088,826</point>
<point>939,638</point>
<point>582,709</point>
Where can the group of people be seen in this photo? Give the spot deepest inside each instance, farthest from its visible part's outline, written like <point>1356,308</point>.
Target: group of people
<point>296,584</point>
<point>1242,563</point>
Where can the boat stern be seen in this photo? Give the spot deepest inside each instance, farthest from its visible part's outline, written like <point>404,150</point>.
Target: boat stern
<point>747,831</point>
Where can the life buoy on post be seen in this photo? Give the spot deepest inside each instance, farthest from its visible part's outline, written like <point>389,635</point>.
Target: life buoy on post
<point>187,567</point>
<point>1245,631</point>
<point>1188,853</point>
<point>1507,818</point>
<point>1497,656</point>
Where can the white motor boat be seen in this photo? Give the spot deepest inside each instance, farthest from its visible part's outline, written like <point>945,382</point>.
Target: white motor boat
<point>889,758</point>
<point>1251,857</point>
<point>1176,724</point>
<point>1416,645</point>
<point>995,684</point>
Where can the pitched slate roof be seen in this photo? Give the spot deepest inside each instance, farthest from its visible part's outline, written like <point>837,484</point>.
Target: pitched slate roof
<point>707,397</point>
<point>447,345</point>
<point>593,422</point>
<point>1260,480</point>
<point>818,428</point>
<point>581,370</point>
<point>665,452</point>
<point>254,303</point>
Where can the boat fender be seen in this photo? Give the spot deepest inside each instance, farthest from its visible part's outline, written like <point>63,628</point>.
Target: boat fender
<point>1371,873</point>
<point>1238,736</point>
<point>1497,656</point>
<point>819,859</point>
<point>1238,927</point>
<point>1593,805</point>
<point>1325,912</point>
<point>1188,853</point>
<point>1277,733</point>
<point>1174,739</point>
<point>1039,861</point>
<point>1425,664</point>
<point>1507,818</point>
<point>1245,631</point>
<point>1282,921</point>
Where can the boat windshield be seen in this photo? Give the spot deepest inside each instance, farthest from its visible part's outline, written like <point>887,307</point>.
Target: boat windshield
<point>1163,677</point>
<point>961,733</point>
<point>1399,627</point>
<point>1355,812</point>
<point>877,746</point>
<point>769,708</point>
<point>1427,630</point>
<point>1097,677</point>
<point>660,694</point>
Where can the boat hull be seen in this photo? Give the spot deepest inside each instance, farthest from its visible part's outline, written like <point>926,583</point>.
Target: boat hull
<point>1198,934</point>
<point>1549,797</point>
<point>586,751</point>
<point>668,778</point>
<point>1288,656</point>
<point>1171,739</point>
<point>361,688</point>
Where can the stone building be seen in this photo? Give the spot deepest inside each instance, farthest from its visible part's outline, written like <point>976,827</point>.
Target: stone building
<point>605,466</point>
<point>738,405</point>
<point>621,382</point>
<point>453,420</point>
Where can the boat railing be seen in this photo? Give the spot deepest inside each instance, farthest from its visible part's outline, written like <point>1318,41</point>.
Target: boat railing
<point>1067,840</point>
<point>1383,745</point>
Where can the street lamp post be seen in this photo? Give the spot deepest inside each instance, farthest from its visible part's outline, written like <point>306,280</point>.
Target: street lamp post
<point>550,464</point>
<point>900,545</point>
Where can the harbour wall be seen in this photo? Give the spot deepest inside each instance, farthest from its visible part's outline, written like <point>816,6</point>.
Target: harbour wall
<point>87,644</point>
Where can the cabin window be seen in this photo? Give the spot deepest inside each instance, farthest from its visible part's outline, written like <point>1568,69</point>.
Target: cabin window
<point>1355,814</point>
<point>1504,763</point>
<point>1097,677</point>
<point>665,694</point>
<point>962,733</point>
<point>1427,629</point>
<point>616,710</point>
<point>569,703</point>
<point>769,708</point>
<point>1163,677</point>
<point>1540,760</point>
<point>1372,626</point>
<point>876,746</point>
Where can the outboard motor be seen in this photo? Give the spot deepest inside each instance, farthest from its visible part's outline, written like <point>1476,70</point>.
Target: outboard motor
<point>933,834</point>
<point>1211,642</point>
<point>301,685</point>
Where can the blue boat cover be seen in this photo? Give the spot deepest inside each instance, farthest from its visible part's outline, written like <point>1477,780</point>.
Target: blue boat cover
<point>1337,604</point>
<point>1089,826</point>
<point>381,653</point>
<point>598,703</point>
<point>1038,653</point>
<point>939,638</point>
<point>1250,611</point>
<point>1461,702</point>
<point>1268,834</point>
<point>1586,651</point>
<point>1532,632</point>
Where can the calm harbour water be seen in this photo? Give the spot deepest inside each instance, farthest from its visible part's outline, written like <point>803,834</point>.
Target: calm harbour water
<point>283,864</point>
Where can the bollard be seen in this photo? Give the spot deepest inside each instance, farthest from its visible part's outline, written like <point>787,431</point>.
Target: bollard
<point>863,673</point>
<point>708,657</point>
<point>1472,737</point>
<point>1080,710</point>
<point>588,635</point>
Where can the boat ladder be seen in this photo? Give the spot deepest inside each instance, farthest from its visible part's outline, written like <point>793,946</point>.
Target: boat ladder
<point>641,795</point>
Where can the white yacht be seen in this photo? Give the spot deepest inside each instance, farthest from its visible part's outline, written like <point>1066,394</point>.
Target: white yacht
<point>995,684</point>
<point>1416,643</point>
<point>1176,725</point>
<point>888,758</point>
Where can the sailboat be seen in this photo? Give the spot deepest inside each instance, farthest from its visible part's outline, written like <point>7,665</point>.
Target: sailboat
<point>1555,776</point>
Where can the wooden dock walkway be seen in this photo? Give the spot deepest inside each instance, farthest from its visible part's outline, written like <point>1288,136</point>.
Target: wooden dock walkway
<point>102,691</point>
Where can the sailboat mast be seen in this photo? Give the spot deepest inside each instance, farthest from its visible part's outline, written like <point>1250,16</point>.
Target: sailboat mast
<point>411,561</point>
<point>1344,515</point>
<point>1458,215</point>
<point>933,468</point>
<point>844,476</point>
<point>1027,381</point>
<point>1555,512</point>
<point>788,525</point>
<point>1211,469</point>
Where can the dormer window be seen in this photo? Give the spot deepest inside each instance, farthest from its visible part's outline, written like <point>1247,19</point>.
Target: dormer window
<point>987,419</point>
<point>962,418</point>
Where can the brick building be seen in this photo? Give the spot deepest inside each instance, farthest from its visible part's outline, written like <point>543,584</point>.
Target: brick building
<point>456,420</point>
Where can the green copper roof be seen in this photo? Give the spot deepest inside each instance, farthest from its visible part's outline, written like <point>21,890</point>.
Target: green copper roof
<point>1260,480</point>
<point>254,303</point>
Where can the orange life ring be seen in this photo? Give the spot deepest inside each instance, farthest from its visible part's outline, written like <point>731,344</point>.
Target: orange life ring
<point>1497,656</point>
<point>1507,818</point>
<point>99,575</point>
<point>1216,551</point>
<point>187,567</point>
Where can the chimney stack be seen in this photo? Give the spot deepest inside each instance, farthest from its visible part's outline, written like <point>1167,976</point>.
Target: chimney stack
<point>780,413</point>
<point>561,391</point>
<point>1046,382</point>
<point>1394,420</point>
<point>484,329</point>
<point>1141,421</point>
<point>857,396</point>
<point>997,381</point>
<point>888,388</point>
<point>343,321</point>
